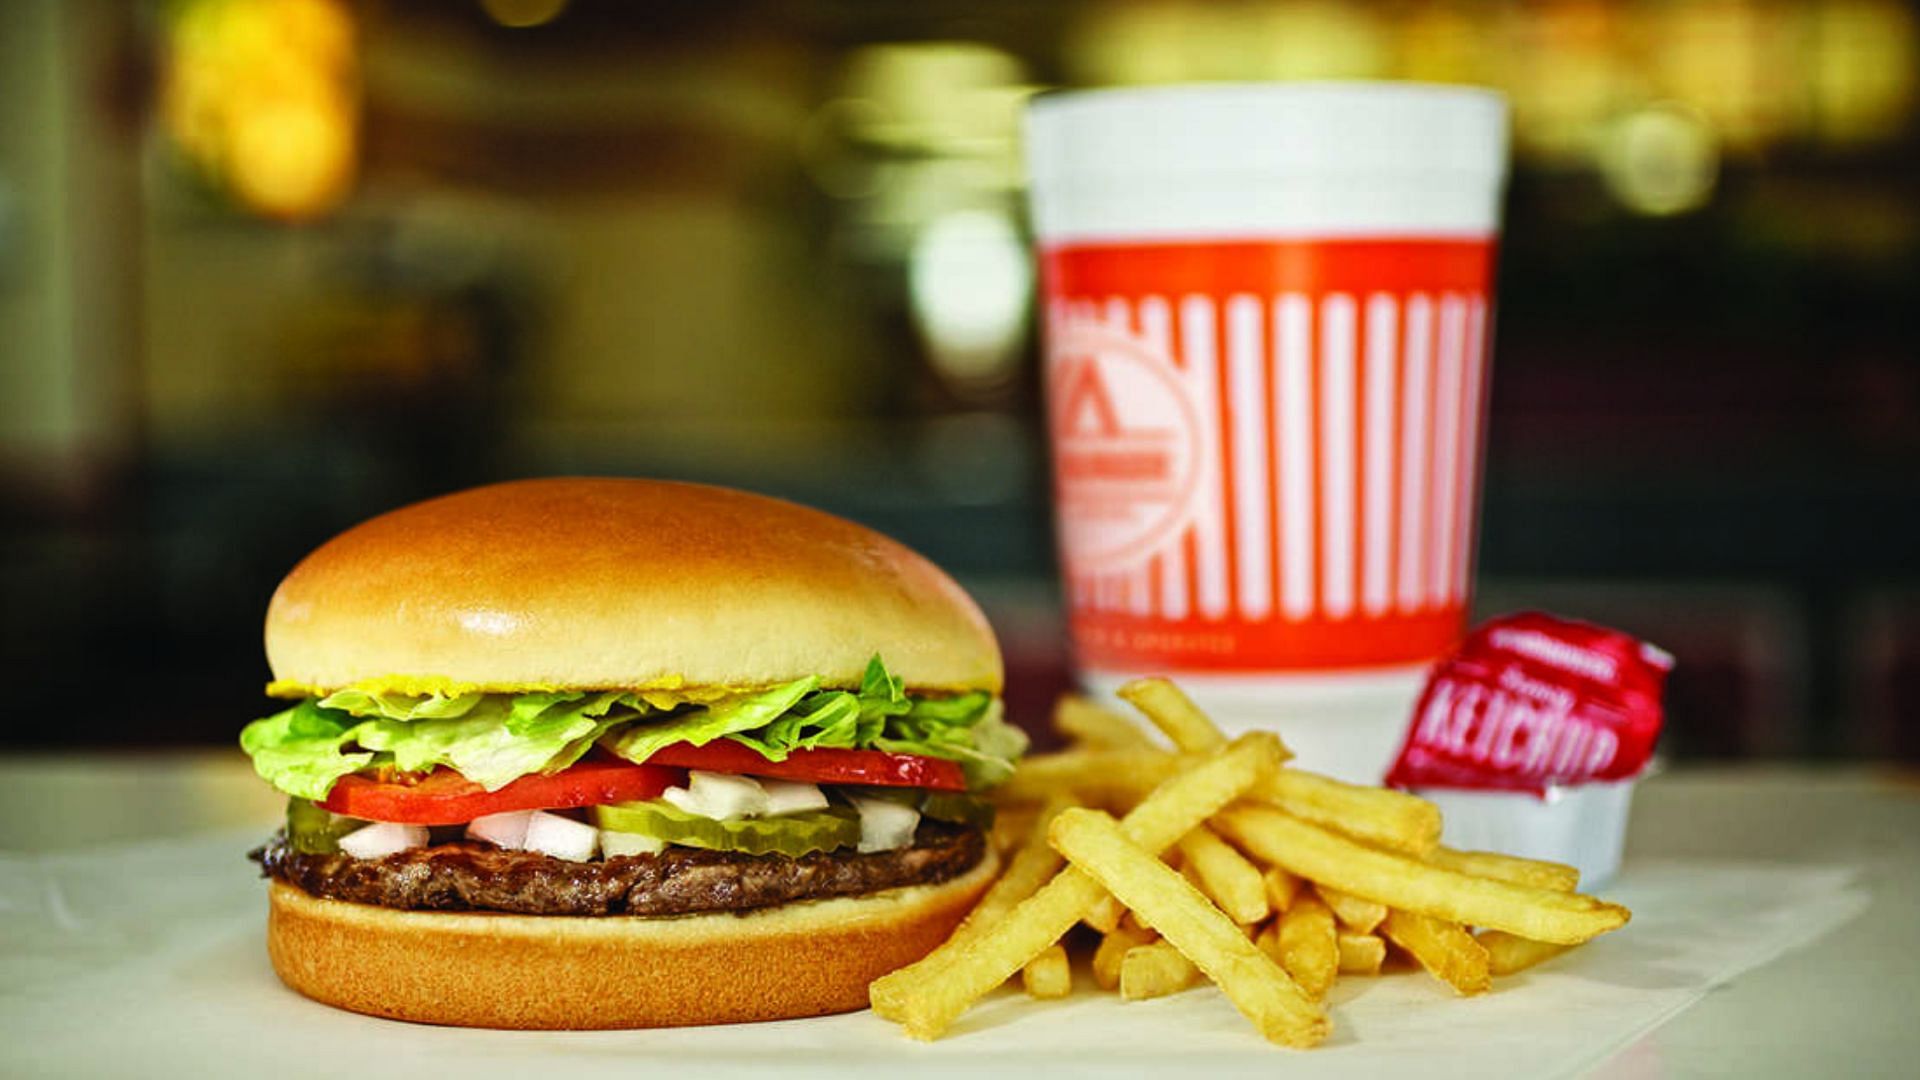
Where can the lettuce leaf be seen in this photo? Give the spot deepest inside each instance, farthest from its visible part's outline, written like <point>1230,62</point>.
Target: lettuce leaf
<point>706,723</point>
<point>494,739</point>
<point>500,739</point>
<point>300,751</point>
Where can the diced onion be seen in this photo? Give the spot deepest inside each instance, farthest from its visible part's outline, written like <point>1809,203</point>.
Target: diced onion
<point>561,837</point>
<point>885,825</point>
<point>383,838</point>
<point>792,797</point>
<point>508,830</point>
<point>720,796</point>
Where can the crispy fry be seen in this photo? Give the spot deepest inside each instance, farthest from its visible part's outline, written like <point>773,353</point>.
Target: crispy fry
<point>1048,975</point>
<point>1012,824</point>
<point>1361,916</point>
<point>1443,948</point>
<point>1155,970</point>
<point>1098,727</point>
<point>1095,844</point>
<point>1360,954</point>
<point>1096,775</point>
<point>1381,817</point>
<point>1553,876</point>
<point>928,996</point>
<point>1113,949</point>
<point>1508,953</point>
<point>1105,915</point>
<point>1032,865</point>
<point>1309,945</point>
<point>1228,879</point>
<point>1175,714</point>
<point>1399,882</point>
<point>1282,886</point>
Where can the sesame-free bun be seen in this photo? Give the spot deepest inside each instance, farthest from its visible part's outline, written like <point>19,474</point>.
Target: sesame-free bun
<point>618,584</point>
<point>615,971</point>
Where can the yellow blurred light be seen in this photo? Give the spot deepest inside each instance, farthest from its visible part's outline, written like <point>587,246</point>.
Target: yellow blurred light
<point>1865,67</point>
<point>1660,160</point>
<point>969,278</point>
<point>263,96</point>
<point>521,14</point>
<point>288,159</point>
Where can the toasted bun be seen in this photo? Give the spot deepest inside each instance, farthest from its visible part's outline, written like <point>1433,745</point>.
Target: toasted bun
<point>531,971</point>
<point>618,584</point>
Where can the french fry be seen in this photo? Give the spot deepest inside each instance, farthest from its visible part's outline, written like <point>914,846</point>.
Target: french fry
<point>1096,775</point>
<point>1225,876</point>
<point>1175,714</point>
<point>1384,818</point>
<point>1105,915</point>
<point>1309,945</point>
<point>1032,865</point>
<point>1360,954</point>
<point>1508,953</point>
<point>1282,886</point>
<point>1098,727</point>
<point>1048,975</point>
<point>1360,916</point>
<point>1399,882</point>
<point>1012,824</point>
<point>926,997</point>
<point>1096,845</point>
<point>1444,948</point>
<point>1112,951</point>
<point>1155,970</point>
<point>1552,876</point>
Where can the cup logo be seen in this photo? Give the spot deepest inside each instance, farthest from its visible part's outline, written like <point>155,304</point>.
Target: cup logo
<point>1126,444</point>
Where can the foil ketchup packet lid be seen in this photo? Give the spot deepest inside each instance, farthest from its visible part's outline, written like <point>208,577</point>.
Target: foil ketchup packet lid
<point>1531,702</point>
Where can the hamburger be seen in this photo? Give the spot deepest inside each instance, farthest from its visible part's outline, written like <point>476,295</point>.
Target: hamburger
<point>614,753</point>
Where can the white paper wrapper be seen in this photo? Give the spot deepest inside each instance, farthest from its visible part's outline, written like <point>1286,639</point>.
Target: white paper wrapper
<point>149,961</point>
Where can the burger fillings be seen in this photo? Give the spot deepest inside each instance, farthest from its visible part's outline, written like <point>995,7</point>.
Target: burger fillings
<point>626,720</point>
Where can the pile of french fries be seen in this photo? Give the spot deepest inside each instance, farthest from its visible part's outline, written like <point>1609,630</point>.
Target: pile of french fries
<point>1224,863</point>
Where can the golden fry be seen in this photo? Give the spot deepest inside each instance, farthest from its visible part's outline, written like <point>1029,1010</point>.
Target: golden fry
<point>1360,916</point>
<point>1155,970</point>
<point>1113,949</point>
<point>1444,948</point>
<point>926,997</point>
<point>1384,818</point>
<point>1048,975</point>
<point>1225,876</point>
<point>1095,844</point>
<point>1032,865</point>
<point>1282,886</point>
<point>1175,714</point>
<point>1309,944</point>
<point>1360,954</point>
<point>1096,775</point>
<point>1553,876</point>
<point>1098,727</point>
<point>1508,953</point>
<point>1105,915</point>
<point>1410,885</point>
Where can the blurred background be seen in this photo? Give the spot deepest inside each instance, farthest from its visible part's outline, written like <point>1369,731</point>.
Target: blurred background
<point>268,267</point>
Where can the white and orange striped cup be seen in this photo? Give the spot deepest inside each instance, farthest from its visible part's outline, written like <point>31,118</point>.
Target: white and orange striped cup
<point>1267,322</point>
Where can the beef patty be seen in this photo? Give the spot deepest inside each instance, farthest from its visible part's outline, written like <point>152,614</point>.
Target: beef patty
<point>469,876</point>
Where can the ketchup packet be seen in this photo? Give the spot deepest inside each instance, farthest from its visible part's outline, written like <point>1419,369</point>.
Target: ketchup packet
<point>1531,702</point>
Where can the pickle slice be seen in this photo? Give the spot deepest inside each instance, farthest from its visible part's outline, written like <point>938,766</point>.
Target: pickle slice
<point>314,831</point>
<point>950,806</point>
<point>787,834</point>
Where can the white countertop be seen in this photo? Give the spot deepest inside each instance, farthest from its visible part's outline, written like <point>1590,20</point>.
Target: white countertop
<point>1842,1007</point>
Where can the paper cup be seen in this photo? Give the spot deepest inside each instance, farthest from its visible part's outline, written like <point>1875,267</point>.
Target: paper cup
<point>1267,320</point>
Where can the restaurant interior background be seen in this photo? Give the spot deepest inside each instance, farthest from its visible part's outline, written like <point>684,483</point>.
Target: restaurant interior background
<point>268,267</point>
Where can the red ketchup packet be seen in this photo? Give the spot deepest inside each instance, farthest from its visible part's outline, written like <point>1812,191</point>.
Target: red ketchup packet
<point>1531,702</point>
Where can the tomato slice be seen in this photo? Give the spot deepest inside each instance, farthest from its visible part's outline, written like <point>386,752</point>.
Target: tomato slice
<point>444,797</point>
<point>819,766</point>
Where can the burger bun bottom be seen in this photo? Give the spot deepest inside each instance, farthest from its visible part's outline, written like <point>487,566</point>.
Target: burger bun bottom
<point>477,969</point>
